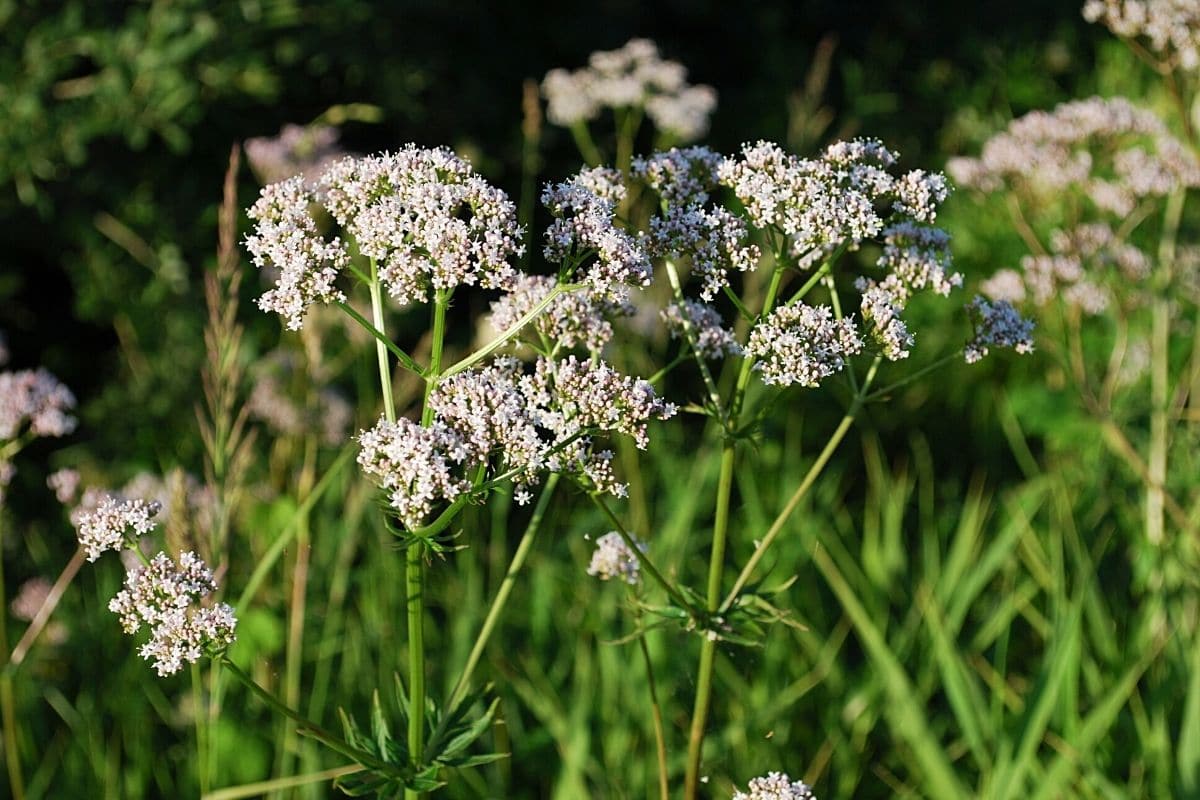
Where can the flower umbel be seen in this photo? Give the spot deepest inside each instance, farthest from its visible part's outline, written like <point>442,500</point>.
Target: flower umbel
<point>997,324</point>
<point>776,786</point>
<point>115,523</point>
<point>166,598</point>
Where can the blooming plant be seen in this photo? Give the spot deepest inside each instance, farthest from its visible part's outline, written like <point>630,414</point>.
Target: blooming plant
<point>780,273</point>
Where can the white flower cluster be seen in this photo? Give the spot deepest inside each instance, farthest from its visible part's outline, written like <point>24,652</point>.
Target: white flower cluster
<point>713,340</point>
<point>427,219</point>
<point>680,176</point>
<point>584,209</point>
<point>634,76</point>
<point>286,239</point>
<point>35,397</point>
<point>1083,261</point>
<point>776,786</point>
<point>1171,28</point>
<point>415,465</point>
<point>423,215</point>
<point>915,257</point>
<point>881,308</point>
<point>166,598</point>
<point>831,201</point>
<point>1097,145</point>
<point>801,344</point>
<point>578,318</point>
<point>297,150</point>
<point>997,325</point>
<point>526,423</point>
<point>613,558</point>
<point>114,524</point>
<point>710,237</point>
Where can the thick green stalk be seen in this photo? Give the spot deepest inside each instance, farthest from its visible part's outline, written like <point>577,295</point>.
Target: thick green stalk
<point>381,350</point>
<point>716,562</point>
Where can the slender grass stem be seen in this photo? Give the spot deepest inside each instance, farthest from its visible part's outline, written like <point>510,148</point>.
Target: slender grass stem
<point>806,483</point>
<point>42,617</point>
<point>524,547</point>
<point>660,738</point>
<point>922,372</point>
<point>8,716</point>
<point>1160,342</point>
<point>306,726</point>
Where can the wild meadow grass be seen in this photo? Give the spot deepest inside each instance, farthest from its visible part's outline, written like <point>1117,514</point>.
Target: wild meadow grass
<point>708,508</point>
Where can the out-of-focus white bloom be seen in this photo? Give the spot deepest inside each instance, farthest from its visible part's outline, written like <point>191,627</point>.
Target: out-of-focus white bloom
<point>584,209</point>
<point>1098,145</point>
<point>36,398</point>
<point>802,344</point>
<point>574,319</point>
<point>296,150</point>
<point>713,340</point>
<point>426,217</point>
<point>1005,284</point>
<point>65,484</point>
<point>634,76</point>
<point>1170,28</point>
<point>286,239</point>
<point>776,786</point>
<point>614,559</point>
<point>166,598</point>
<point>112,524</point>
<point>997,325</point>
<point>415,465</point>
<point>30,598</point>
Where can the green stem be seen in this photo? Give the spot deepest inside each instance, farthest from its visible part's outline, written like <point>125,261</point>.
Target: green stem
<point>201,720</point>
<point>306,726</point>
<point>506,586</point>
<point>925,370</point>
<point>716,562</point>
<point>1160,342</point>
<point>8,716</point>
<point>510,332</point>
<point>660,739</point>
<point>809,478</point>
<point>381,339</point>
<point>587,147</point>
<point>689,332</point>
<point>381,344</point>
<point>643,559</point>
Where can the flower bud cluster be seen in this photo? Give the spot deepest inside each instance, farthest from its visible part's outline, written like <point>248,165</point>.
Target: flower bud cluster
<point>802,344</point>
<point>1169,28</point>
<point>415,465</point>
<point>997,325</point>
<point>114,524</point>
<point>166,597</point>
<point>776,786</point>
<point>297,150</point>
<point>286,239</point>
<point>634,76</point>
<point>881,308</point>
<point>584,209</point>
